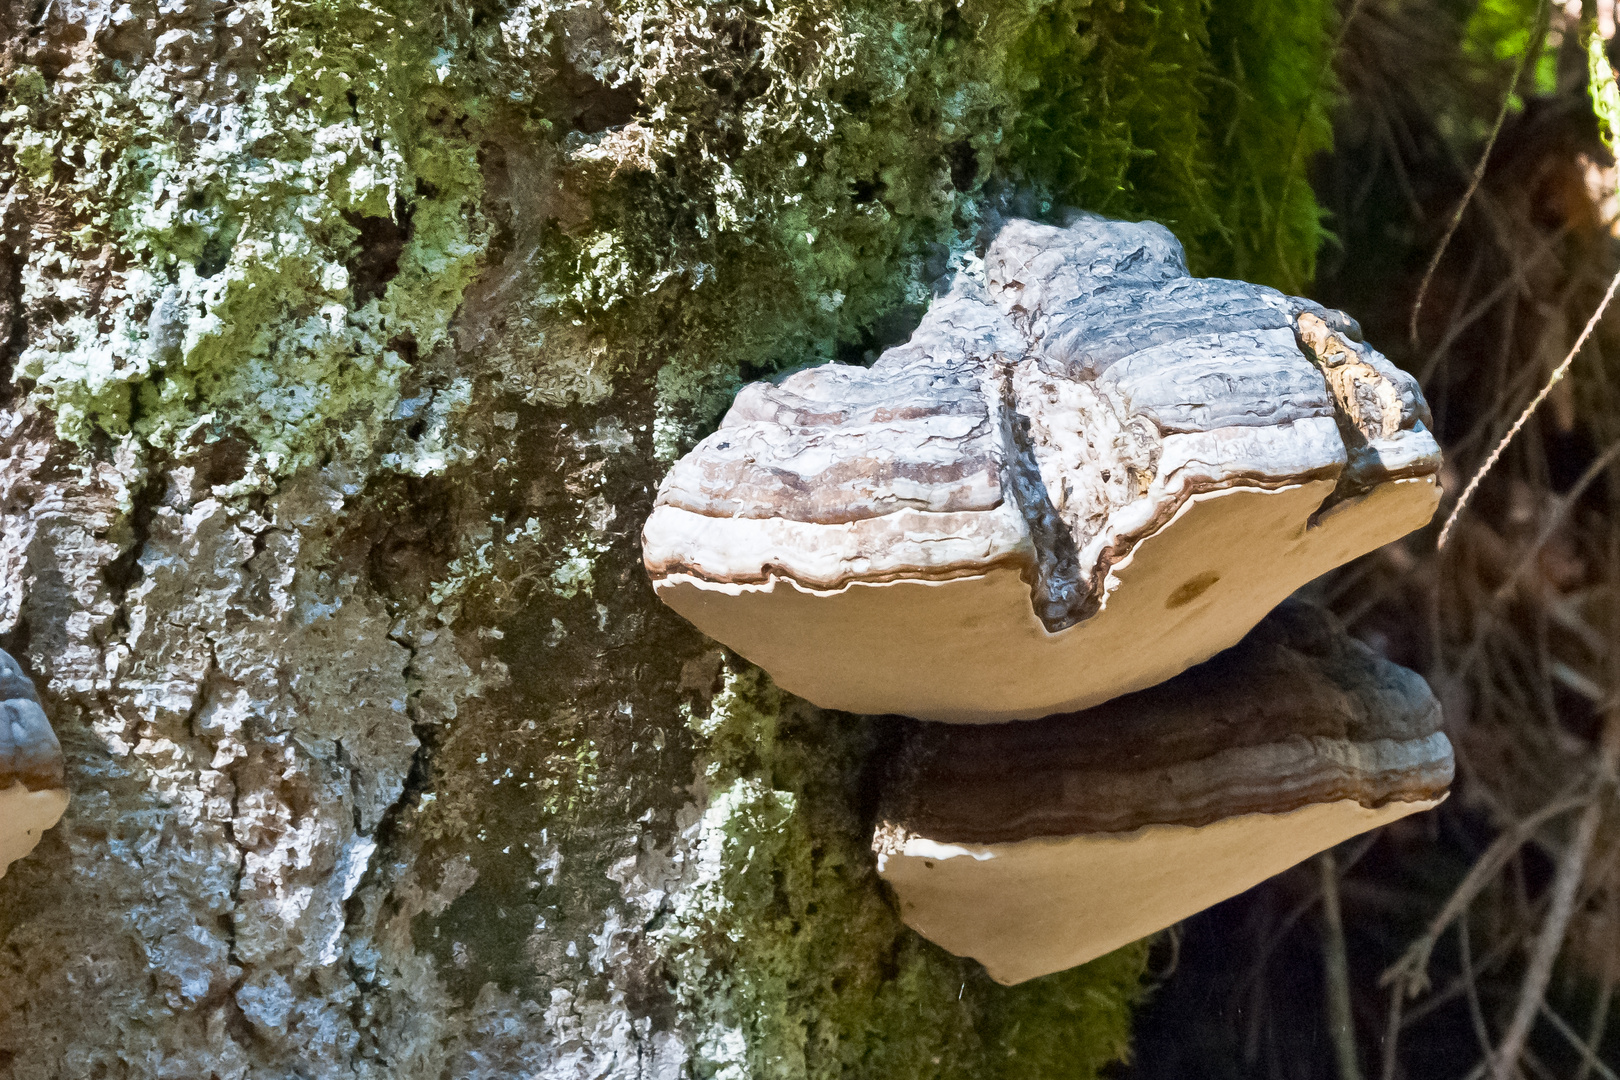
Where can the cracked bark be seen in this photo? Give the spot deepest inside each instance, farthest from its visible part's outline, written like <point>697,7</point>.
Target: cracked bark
<point>385,760</point>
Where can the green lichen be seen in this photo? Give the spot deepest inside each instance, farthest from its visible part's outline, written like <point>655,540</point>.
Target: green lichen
<point>224,285</point>
<point>793,963</point>
<point>763,185</point>
<point>1604,89</point>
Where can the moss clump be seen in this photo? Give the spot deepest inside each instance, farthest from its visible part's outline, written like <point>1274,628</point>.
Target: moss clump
<point>790,181</point>
<point>1268,120</point>
<point>792,962</point>
<point>1496,37</point>
<point>1111,115</point>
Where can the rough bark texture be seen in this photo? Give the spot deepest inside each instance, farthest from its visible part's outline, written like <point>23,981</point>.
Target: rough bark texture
<point>343,344</point>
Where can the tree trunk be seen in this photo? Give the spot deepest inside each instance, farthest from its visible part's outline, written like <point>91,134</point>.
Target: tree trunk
<point>342,347</point>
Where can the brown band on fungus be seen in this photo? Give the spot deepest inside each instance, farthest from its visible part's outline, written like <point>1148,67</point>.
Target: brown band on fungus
<point>773,572</point>
<point>846,491</point>
<point>1367,402</point>
<point>1296,713</point>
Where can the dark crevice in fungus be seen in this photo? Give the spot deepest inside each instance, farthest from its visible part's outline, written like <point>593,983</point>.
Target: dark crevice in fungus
<point>1059,591</point>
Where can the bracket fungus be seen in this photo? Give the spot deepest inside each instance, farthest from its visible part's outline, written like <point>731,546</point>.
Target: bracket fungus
<point>1036,846</point>
<point>32,793</point>
<point>1085,472</point>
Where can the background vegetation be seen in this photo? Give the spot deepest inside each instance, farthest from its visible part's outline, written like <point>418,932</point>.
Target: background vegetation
<point>1492,924</point>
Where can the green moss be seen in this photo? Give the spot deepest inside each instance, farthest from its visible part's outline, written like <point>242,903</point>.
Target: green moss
<point>1110,116</point>
<point>791,960</point>
<point>1269,119</point>
<point>1605,91</point>
<point>795,200</point>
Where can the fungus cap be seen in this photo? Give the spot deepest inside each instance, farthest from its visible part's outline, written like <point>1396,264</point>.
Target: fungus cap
<point>1036,846</point>
<point>32,793</point>
<point>1086,471</point>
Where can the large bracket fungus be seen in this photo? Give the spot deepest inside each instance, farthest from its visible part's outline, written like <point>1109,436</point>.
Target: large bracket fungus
<point>1036,846</point>
<point>1085,472</point>
<point>32,794</point>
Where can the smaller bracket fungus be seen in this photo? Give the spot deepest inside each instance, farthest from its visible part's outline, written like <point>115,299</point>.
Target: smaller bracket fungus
<point>1036,846</point>
<point>1086,471</point>
<point>32,793</point>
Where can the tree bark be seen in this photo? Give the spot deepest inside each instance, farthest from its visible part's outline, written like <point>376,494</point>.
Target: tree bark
<point>342,347</point>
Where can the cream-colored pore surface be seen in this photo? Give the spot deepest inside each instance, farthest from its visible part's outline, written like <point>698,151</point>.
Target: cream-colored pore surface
<point>24,817</point>
<point>1037,906</point>
<point>970,650</point>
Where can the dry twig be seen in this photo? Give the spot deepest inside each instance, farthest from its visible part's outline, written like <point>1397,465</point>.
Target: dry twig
<point>1589,1060</point>
<point>1524,417</point>
<point>1411,972</point>
<point>1600,1023</point>
<point>1532,991</point>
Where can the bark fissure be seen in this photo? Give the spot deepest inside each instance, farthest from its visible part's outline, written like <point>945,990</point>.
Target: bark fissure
<point>341,346</point>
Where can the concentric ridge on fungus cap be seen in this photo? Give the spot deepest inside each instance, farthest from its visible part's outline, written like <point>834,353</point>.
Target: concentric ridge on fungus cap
<point>1083,473</point>
<point>1085,831</point>
<point>1261,727</point>
<point>32,795</point>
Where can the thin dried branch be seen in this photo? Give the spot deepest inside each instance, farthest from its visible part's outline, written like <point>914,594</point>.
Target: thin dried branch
<point>1558,373</point>
<point>1273,940</point>
<point>1411,972</point>
<point>1599,1024</point>
<point>1465,981</point>
<point>1566,881</point>
<point>1476,1015</point>
<point>1589,1059</point>
<point>1545,247</point>
<point>1555,519</point>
